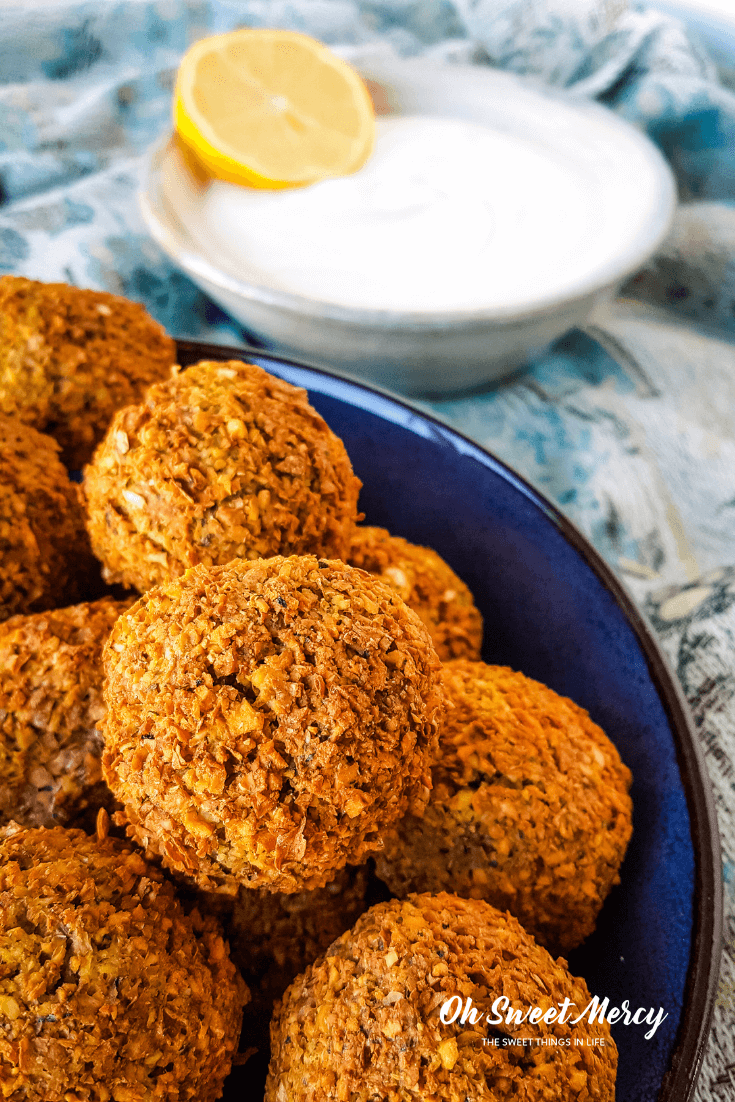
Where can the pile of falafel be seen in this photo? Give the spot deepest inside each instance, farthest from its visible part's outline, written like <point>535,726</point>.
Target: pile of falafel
<point>252,765</point>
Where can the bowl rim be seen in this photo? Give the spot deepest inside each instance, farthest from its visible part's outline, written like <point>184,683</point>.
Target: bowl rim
<point>698,1001</point>
<point>180,248</point>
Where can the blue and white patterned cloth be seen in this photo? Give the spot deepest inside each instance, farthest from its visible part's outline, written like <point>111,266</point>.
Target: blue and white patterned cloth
<point>629,426</point>
<point>85,88</point>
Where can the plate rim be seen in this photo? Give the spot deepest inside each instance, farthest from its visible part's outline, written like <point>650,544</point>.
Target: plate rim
<point>700,989</point>
<point>183,250</point>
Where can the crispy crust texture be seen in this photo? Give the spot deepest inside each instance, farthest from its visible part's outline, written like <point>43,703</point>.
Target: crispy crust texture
<point>51,707</point>
<point>529,810</point>
<point>273,935</point>
<point>222,461</point>
<point>427,585</point>
<point>70,358</point>
<point>106,986</point>
<point>362,1023</point>
<point>44,551</point>
<point>269,719</point>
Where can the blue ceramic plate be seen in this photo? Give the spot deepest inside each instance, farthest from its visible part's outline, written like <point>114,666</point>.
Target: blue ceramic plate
<point>555,611</point>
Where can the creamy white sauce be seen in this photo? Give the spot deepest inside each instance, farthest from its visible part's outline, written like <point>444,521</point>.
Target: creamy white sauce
<point>446,215</point>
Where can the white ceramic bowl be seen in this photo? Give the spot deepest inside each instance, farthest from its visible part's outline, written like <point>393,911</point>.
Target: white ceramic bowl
<point>618,176</point>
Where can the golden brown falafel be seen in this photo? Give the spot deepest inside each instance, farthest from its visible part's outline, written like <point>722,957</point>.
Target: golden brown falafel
<point>427,584</point>
<point>51,707</point>
<point>108,990</point>
<point>269,719</point>
<point>529,807</point>
<point>222,461</point>
<point>363,1022</point>
<point>44,551</point>
<point>70,358</point>
<point>274,935</point>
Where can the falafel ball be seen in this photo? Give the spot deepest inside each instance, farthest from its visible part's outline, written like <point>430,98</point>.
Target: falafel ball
<point>427,584</point>
<point>364,1021</point>
<point>274,935</point>
<point>51,707</point>
<point>108,989</point>
<point>70,358</point>
<point>268,720</point>
<point>44,550</point>
<point>529,807</point>
<point>223,461</point>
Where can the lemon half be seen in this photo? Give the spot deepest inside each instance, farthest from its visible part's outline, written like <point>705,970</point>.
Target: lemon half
<point>272,109</point>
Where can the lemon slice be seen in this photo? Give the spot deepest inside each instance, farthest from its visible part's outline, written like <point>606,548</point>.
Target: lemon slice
<point>272,109</point>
